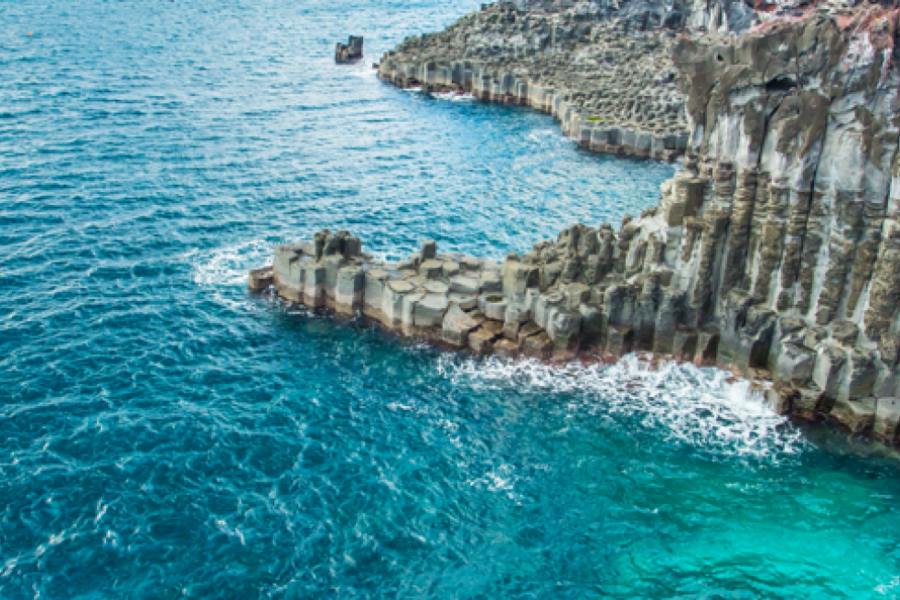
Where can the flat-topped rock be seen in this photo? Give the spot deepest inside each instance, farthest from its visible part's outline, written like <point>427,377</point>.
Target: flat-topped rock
<point>465,285</point>
<point>436,287</point>
<point>401,286</point>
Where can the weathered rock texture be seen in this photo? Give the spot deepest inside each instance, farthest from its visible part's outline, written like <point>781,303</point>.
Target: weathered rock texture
<point>603,68</point>
<point>793,253</point>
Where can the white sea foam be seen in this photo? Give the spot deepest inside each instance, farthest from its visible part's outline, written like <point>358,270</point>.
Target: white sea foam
<point>225,269</point>
<point>448,96</point>
<point>229,266</point>
<point>687,405</point>
<point>453,96</point>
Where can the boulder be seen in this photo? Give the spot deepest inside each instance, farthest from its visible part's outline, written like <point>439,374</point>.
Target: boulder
<point>457,325</point>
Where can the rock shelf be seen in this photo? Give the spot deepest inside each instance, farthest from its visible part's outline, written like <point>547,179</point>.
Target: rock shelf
<point>610,83</point>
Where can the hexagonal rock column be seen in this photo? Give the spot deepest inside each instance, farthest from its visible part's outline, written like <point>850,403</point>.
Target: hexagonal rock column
<point>493,306</point>
<point>392,301</point>
<point>348,296</point>
<point>516,317</point>
<point>457,325</point>
<point>314,285</point>
<point>373,300</point>
<point>563,328</point>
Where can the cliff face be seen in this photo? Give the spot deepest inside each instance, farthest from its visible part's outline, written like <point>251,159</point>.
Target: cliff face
<point>776,252</point>
<point>794,161</point>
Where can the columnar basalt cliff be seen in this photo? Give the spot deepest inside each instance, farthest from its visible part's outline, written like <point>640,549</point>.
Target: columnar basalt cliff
<point>609,78</point>
<point>774,253</point>
<point>795,247</point>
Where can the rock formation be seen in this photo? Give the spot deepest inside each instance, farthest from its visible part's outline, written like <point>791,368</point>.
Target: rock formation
<point>611,81</point>
<point>774,253</point>
<point>796,243</point>
<point>349,52</point>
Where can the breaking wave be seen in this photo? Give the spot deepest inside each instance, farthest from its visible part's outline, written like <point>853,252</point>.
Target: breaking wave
<point>228,267</point>
<point>682,403</point>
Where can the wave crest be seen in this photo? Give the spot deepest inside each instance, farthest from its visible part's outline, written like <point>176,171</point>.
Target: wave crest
<point>689,406</point>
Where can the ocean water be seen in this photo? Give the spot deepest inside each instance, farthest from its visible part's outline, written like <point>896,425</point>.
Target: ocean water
<point>164,434</point>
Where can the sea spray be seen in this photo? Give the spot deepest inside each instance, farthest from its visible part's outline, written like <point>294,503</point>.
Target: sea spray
<point>687,405</point>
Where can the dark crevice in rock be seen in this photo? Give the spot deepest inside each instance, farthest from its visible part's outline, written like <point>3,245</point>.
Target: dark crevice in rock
<point>780,84</point>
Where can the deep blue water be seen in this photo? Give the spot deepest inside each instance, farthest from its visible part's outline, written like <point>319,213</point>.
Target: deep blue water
<point>164,434</point>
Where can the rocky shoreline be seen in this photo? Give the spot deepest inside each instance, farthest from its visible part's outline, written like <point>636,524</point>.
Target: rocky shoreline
<point>775,253</point>
<point>529,307</point>
<point>619,96</point>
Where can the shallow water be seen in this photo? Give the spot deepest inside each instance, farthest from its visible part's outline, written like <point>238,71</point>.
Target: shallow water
<point>164,434</point>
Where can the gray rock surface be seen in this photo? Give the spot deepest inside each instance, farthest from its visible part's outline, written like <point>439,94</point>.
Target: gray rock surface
<point>349,52</point>
<point>606,72</point>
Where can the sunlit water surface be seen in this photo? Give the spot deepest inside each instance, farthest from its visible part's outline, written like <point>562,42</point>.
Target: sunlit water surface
<point>163,434</point>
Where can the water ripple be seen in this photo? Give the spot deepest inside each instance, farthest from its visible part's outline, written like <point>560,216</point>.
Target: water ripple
<point>165,434</point>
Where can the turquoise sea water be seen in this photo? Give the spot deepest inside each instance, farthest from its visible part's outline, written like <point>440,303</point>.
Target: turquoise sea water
<point>164,434</point>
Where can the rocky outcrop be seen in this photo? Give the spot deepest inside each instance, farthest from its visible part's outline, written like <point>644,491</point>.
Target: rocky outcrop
<point>774,253</point>
<point>350,52</point>
<point>604,69</point>
<point>608,78</point>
